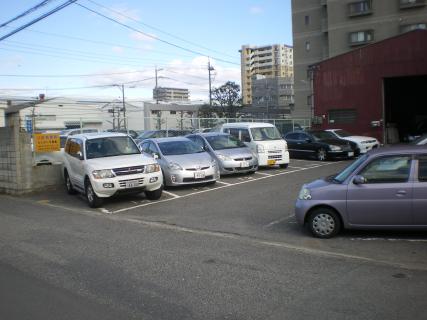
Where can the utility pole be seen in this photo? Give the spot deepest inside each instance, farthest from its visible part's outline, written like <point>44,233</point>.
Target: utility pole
<point>155,88</point>
<point>210,68</point>
<point>124,106</point>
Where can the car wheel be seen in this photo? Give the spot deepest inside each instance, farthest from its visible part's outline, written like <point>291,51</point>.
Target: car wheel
<point>284,165</point>
<point>155,194</point>
<point>252,172</point>
<point>93,200</point>
<point>324,223</point>
<point>321,154</point>
<point>68,184</point>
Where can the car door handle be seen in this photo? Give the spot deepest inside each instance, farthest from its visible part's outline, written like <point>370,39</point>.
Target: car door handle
<point>401,193</point>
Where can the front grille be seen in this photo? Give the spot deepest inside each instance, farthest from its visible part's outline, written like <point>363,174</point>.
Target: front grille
<point>275,151</point>
<point>244,168</point>
<point>243,159</point>
<point>197,180</point>
<point>368,141</point>
<point>198,169</point>
<point>128,170</point>
<point>139,182</point>
<point>347,148</point>
<point>275,157</point>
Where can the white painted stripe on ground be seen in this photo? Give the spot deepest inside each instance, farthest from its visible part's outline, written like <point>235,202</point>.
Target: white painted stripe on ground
<point>225,183</point>
<point>272,223</point>
<point>298,167</point>
<point>171,194</point>
<point>213,189</point>
<point>388,239</point>
<point>264,174</point>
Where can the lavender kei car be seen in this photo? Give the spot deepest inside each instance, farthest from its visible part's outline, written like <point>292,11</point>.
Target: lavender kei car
<point>384,189</point>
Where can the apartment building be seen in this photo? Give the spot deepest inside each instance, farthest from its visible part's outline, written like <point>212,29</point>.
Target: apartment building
<point>326,28</point>
<point>271,61</point>
<point>170,94</point>
<point>273,93</point>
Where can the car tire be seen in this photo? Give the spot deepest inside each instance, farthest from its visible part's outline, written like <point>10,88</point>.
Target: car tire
<point>324,223</point>
<point>92,199</point>
<point>68,184</point>
<point>252,172</point>
<point>321,154</point>
<point>155,194</point>
<point>284,165</point>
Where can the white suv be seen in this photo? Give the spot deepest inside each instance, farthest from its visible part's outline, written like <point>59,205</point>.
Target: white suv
<point>101,165</point>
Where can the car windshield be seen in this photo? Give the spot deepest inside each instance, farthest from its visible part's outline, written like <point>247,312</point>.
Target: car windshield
<point>322,135</point>
<point>175,148</point>
<point>343,175</point>
<point>265,133</point>
<point>146,135</point>
<point>221,142</point>
<point>110,147</point>
<point>342,133</point>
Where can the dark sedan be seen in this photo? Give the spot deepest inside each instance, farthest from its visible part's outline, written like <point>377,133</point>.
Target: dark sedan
<point>318,144</point>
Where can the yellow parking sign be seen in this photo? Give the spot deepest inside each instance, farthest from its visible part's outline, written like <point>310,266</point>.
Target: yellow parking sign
<point>46,142</point>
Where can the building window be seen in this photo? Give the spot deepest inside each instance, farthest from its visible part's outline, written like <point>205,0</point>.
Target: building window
<point>172,112</point>
<point>307,46</point>
<point>310,100</point>
<point>405,4</point>
<point>307,20</point>
<point>361,37</point>
<point>339,116</point>
<point>360,8</point>
<point>410,27</point>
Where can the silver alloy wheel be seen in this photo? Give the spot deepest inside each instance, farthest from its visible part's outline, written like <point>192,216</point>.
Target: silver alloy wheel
<point>323,224</point>
<point>321,155</point>
<point>68,183</point>
<point>89,193</point>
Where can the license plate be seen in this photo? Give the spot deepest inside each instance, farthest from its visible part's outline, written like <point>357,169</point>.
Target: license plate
<point>132,184</point>
<point>244,164</point>
<point>271,162</point>
<point>350,154</point>
<point>199,175</point>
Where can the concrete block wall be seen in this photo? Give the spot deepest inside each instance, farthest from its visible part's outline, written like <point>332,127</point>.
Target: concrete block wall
<point>17,173</point>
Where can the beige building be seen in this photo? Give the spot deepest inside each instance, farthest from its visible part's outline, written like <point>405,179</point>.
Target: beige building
<point>171,94</point>
<point>270,61</point>
<point>327,28</point>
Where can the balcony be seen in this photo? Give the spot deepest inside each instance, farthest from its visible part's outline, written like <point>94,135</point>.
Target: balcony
<point>360,8</point>
<point>361,37</point>
<point>408,4</point>
<point>323,2</point>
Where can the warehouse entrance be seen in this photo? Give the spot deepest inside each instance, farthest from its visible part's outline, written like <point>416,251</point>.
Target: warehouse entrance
<point>405,108</point>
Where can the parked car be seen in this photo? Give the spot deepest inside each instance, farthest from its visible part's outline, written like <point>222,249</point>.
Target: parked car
<point>231,154</point>
<point>364,144</point>
<point>263,139</point>
<point>182,161</point>
<point>154,134</point>
<point>133,134</point>
<point>383,189</point>
<point>421,140</point>
<point>320,145</point>
<point>102,165</point>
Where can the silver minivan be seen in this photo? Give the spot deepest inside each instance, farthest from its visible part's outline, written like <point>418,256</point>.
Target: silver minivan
<point>384,189</point>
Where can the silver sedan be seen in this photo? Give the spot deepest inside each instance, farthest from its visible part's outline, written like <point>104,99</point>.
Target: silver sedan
<point>182,161</point>
<point>231,154</point>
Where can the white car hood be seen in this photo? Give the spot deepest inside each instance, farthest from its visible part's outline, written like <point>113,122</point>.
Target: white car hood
<point>119,161</point>
<point>359,138</point>
<point>273,144</point>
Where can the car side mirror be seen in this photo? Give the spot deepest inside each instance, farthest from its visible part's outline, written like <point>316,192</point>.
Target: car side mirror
<point>359,180</point>
<point>79,155</point>
<point>156,156</point>
<point>308,140</point>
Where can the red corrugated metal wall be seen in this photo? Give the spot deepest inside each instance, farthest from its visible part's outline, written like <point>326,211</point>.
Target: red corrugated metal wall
<point>354,80</point>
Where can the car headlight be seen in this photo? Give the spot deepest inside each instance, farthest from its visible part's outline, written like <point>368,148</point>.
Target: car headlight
<point>150,168</point>
<point>304,194</point>
<point>335,148</point>
<point>223,157</point>
<point>103,174</point>
<point>260,148</point>
<point>174,166</point>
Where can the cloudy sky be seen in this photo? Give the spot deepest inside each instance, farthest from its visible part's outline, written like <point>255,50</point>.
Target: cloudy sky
<point>88,47</point>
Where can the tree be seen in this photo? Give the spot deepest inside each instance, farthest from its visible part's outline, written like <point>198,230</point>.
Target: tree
<point>227,98</point>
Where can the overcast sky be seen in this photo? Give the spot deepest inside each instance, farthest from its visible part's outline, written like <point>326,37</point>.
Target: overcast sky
<point>74,44</point>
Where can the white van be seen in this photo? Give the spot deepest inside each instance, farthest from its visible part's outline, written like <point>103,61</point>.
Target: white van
<point>263,139</point>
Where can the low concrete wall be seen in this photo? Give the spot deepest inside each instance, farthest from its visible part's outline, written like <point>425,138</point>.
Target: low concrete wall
<point>17,173</point>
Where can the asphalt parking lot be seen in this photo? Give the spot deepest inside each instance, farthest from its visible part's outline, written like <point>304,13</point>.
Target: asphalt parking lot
<point>257,208</point>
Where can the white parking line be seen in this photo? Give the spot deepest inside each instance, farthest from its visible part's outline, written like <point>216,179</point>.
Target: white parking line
<point>225,183</point>
<point>388,239</point>
<point>276,222</point>
<point>171,194</point>
<point>266,176</point>
<point>298,167</point>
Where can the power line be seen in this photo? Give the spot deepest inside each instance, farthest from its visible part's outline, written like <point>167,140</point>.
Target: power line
<point>159,30</point>
<point>60,7</point>
<point>153,37</point>
<point>32,9</point>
